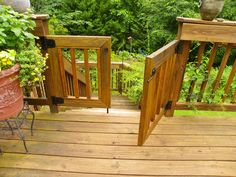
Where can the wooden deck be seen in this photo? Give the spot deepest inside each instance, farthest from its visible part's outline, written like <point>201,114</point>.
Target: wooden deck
<point>89,142</point>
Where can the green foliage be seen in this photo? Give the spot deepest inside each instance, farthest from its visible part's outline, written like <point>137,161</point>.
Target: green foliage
<point>32,66</point>
<point>15,29</point>
<point>17,46</point>
<point>151,23</point>
<point>134,78</point>
<point>199,75</point>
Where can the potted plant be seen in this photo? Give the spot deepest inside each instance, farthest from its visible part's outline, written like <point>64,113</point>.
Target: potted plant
<point>21,61</point>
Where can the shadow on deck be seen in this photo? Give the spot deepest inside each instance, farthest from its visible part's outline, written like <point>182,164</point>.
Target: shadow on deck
<point>89,142</point>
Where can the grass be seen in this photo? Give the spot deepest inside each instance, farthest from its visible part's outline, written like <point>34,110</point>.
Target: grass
<point>204,113</point>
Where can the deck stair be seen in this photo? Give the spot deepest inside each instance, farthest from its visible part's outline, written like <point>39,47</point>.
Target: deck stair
<point>122,102</point>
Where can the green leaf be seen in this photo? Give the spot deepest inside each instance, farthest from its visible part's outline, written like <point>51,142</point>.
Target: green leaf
<point>17,31</point>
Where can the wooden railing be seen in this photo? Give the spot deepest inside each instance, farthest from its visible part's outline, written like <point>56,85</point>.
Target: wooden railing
<point>117,69</point>
<point>215,36</point>
<point>165,68</point>
<point>201,93</point>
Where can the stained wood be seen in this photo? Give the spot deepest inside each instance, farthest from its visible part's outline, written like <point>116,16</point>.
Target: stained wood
<point>62,72</point>
<point>85,42</point>
<point>126,128</point>
<point>74,71</point>
<point>126,139</point>
<point>108,166</point>
<point>68,68</point>
<point>87,75</point>
<point>74,143</point>
<point>199,21</point>
<point>180,65</point>
<point>99,73</point>
<point>215,33</point>
<point>160,89</point>
<point>209,66</point>
<point>221,69</point>
<point>127,118</point>
<point>199,61</point>
<point>229,81</point>
<point>205,106</point>
<point>161,55</point>
<point>122,152</point>
<point>234,97</point>
<point>9,172</point>
<point>146,107</point>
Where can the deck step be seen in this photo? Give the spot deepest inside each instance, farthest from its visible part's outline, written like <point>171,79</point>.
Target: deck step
<point>122,102</point>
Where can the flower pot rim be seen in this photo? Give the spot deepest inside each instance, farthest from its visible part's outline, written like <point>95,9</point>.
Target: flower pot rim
<point>10,71</point>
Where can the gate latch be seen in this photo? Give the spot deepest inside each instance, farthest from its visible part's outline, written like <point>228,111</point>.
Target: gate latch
<point>154,71</point>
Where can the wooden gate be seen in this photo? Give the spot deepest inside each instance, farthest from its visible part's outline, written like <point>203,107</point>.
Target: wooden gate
<point>71,83</point>
<point>164,71</point>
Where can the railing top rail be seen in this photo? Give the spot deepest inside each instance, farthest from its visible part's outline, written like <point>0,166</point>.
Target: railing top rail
<point>199,21</point>
<point>164,53</point>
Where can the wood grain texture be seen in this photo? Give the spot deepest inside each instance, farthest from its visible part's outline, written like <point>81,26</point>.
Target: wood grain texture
<point>89,142</point>
<point>113,166</point>
<point>212,33</point>
<point>229,81</point>
<point>209,66</point>
<point>74,71</point>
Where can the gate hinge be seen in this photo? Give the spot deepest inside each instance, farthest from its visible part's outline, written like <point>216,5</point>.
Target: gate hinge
<point>179,47</point>
<point>47,43</point>
<point>168,105</point>
<point>57,100</point>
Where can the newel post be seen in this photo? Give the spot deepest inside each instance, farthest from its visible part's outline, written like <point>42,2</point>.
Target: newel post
<point>41,30</point>
<point>182,54</point>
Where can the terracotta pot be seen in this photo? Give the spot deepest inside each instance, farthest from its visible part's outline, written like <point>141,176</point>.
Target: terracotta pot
<point>11,94</point>
<point>210,9</point>
<point>18,5</point>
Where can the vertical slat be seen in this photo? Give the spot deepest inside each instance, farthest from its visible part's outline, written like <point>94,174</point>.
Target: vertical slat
<point>160,89</point>
<point>99,73</point>
<point>234,97</point>
<point>112,78</point>
<point>209,66</point>
<point>155,88</point>
<point>167,83</point>
<point>62,72</point>
<point>106,73</point>
<point>74,71</point>
<point>120,80</point>
<point>146,103</point>
<point>221,70</point>
<point>67,83</point>
<point>164,84</point>
<point>87,75</point>
<point>177,80</point>
<point>199,60</point>
<point>170,79</point>
<point>230,80</point>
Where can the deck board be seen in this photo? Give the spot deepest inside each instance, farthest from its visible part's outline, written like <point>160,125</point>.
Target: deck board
<point>92,143</point>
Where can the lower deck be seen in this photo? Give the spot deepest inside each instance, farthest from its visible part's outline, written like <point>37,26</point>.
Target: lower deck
<point>89,142</point>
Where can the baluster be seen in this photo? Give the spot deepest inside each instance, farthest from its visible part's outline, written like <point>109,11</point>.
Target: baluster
<point>209,66</point>
<point>229,82</point>
<point>199,60</point>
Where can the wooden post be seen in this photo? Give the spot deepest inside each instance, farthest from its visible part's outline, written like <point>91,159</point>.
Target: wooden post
<point>41,30</point>
<point>120,79</point>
